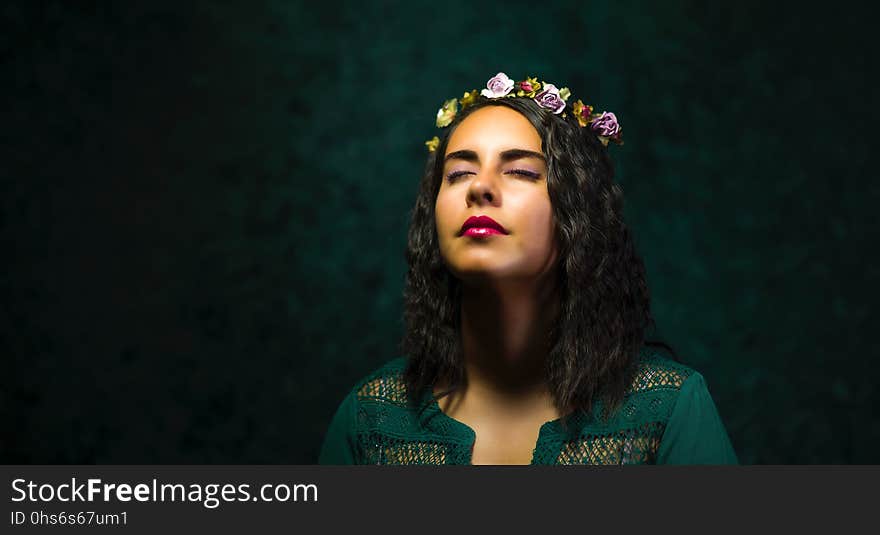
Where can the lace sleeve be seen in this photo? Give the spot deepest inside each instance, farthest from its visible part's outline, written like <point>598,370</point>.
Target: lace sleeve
<point>340,442</point>
<point>694,433</point>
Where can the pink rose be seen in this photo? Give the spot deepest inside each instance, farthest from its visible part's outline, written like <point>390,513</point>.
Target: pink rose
<point>497,86</point>
<point>526,86</point>
<point>549,98</point>
<point>606,125</point>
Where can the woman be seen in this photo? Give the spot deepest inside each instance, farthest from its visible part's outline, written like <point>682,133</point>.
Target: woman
<point>526,307</point>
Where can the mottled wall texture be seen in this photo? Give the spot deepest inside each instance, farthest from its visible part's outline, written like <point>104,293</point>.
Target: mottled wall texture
<point>203,209</point>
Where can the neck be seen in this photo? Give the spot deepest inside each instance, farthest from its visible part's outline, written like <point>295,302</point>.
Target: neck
<point>505,340</point>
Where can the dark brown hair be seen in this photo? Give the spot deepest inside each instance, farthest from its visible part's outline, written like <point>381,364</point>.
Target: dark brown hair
<point>604,298</point>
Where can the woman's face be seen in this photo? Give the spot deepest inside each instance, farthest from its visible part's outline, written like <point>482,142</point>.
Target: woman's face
<point>494,166</point>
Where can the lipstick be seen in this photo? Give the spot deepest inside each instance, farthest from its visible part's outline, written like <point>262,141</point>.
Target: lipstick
<point>479,226</point>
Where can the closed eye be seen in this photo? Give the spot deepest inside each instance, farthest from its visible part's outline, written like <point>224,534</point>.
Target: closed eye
<point>455,174</point>
<point>524,172</point>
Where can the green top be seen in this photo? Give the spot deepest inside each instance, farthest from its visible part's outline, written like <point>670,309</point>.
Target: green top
<point>667,417</point>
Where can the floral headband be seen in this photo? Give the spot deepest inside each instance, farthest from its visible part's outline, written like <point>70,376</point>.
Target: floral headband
<point>547,96</point>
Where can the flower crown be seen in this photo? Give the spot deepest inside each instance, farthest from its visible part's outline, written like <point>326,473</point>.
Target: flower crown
<point>547,96</point>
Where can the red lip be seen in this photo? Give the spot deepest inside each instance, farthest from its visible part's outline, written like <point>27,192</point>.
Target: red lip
<point>481,226</point>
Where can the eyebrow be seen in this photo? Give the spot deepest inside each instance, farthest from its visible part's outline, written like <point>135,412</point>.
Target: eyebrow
<point>506,156</point>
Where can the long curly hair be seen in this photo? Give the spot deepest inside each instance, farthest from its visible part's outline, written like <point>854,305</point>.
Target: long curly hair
<point>605,302</point>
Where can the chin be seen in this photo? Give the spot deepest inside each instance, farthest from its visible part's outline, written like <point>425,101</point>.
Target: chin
<point>481,271</point>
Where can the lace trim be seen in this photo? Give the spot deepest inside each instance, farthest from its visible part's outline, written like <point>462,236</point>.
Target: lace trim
<point>390,388</point>
<point>380,449</point>
<point>651,375</point>
<point>629,446</point>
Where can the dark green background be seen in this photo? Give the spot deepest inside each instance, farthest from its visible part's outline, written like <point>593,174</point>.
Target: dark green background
<point>204,209</point>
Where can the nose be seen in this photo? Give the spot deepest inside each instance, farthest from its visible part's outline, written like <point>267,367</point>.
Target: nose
<point>483,189</point>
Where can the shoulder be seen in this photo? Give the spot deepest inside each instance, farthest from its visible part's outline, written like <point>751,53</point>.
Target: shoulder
<point>656,386</point>
<point>675,400</point>
<point>634,432</point>
<point>655,372</point>
<point>384,385</point>
<point>370,408</point>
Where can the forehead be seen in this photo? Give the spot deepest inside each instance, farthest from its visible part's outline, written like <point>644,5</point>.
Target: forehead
<point>493,129</point>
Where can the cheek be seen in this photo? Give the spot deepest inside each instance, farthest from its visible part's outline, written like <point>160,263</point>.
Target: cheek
<point>441,214</point>
<point>540,243</point>
<point>538,221</point>
<point>444,218</point>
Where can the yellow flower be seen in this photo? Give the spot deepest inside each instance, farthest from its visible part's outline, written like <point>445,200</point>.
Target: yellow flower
<point>468,98</point>
<point>432,144</point>
<point>564,93</point>
<point>582,112</point>
<point>446,114</point>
